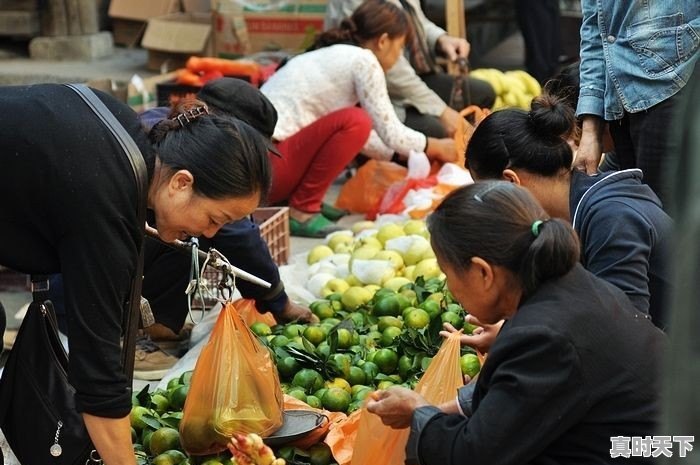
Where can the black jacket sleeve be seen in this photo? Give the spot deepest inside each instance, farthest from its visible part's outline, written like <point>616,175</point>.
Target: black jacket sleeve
<point>530,382</point>
<point>245,248</point>
<point>68,204</point>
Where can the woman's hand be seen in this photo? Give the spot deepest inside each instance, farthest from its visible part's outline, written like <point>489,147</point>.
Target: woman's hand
<point>450,119</point>
<point>112,439</point>
<point>443,150</point>
<point>395,406</point>
<point>296,312</point>
<point>480,339</point>
<point>453,47</point>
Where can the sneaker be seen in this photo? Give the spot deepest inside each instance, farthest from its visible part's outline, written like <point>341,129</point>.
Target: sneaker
<point>166,338</point>
<point>317,226</point>
<point>151,362</point>
<point>332,213</point>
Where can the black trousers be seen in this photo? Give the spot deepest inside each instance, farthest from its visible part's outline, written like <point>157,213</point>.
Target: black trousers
<point>643,140</point>
<point>539,22</point>
<point>165,282</point>
<point>481,93</point>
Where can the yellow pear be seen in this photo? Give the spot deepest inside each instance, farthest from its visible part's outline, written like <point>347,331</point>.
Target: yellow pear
<point>361,226</point>
<point>427,268</point>
<point>317,253</point>
<point>389,231</point>
<point>392,256</point>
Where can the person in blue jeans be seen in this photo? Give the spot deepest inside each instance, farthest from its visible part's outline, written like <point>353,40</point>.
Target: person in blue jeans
<point>636,58</point>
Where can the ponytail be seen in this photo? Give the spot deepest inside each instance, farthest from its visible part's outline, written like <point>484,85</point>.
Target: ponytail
<point>552,253</point>
<point>369,21</point>
<point>503,224</point>
<point>182,113</point>
<point>345,33</point>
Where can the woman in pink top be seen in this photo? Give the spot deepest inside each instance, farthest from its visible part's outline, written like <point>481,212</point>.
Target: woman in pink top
<point>320,127</point>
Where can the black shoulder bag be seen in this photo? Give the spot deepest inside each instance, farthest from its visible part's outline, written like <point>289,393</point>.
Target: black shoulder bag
<point>37,405</point>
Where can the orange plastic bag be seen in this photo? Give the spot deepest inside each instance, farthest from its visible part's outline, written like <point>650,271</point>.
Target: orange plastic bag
<point>250,314</point>
<point>465,129</point>
<point>363,192</point>
<point>237,68</point>
<point>341,438</point>
<point>315,436</point>
<point>393,200</point>
<point>377,443</point>
<point>235,388</point>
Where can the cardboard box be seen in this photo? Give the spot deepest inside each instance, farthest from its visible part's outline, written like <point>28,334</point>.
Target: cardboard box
<point>230,33</point>
<point>196,6</point>
<point>129,17</point>
<point>293,26</point>
<point>172,39</point>
<point>114,88</point>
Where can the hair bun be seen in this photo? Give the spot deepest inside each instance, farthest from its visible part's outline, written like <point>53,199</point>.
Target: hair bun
<point>347,24</point>
<point>551,115</point>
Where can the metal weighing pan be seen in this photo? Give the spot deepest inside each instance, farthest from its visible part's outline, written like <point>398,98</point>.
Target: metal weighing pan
<point>296,424</point>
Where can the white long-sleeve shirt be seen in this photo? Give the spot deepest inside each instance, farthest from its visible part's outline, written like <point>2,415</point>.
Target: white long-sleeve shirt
<point>317,83</point>
<point>406,88</point>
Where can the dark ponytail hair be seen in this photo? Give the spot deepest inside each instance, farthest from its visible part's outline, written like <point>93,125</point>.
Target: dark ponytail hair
<point>533,140</point>
<point>369,21</point>
<point>227,157</point>
<point>496,220</point>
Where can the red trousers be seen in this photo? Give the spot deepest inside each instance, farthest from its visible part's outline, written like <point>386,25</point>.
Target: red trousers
<point>314,157</point>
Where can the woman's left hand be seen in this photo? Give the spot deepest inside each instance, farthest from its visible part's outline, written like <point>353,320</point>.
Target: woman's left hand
<point>395,406</point>
<point>453,47</point>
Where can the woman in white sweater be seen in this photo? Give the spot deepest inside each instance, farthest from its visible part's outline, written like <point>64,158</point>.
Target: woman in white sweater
<point>320,128</point>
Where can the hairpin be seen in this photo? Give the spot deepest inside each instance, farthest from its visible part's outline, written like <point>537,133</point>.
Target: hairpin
<point>191,115</point>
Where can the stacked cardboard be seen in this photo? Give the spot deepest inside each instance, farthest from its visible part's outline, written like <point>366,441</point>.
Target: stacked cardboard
<point>291,25</point>
<point>129,17</point>
<point>172,39</point>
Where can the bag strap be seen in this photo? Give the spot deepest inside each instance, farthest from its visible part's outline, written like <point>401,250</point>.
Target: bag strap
<point>141,176</point>
<point>459,101</point>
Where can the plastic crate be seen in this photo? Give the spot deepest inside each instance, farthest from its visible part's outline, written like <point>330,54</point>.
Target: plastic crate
<point>274,229</point>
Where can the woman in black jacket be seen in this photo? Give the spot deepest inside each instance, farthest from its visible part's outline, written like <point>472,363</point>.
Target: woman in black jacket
<point>68,204</point>
<point>574,365</point>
